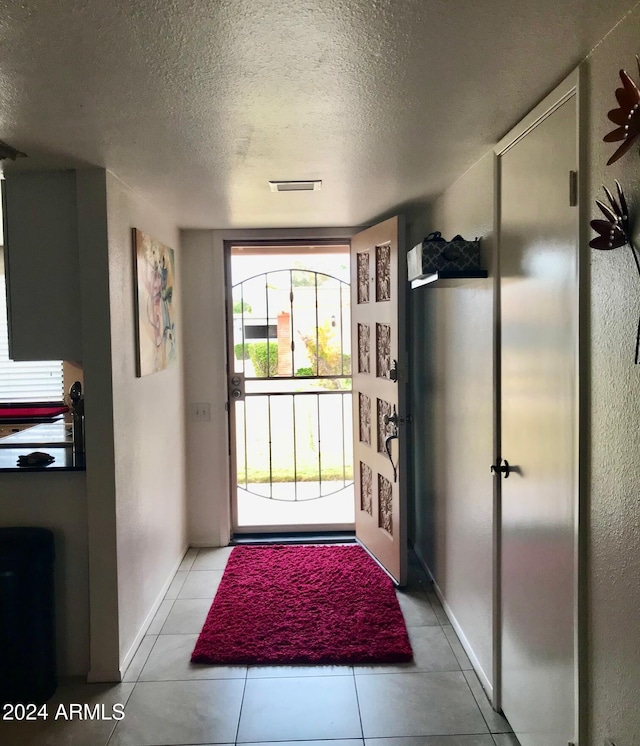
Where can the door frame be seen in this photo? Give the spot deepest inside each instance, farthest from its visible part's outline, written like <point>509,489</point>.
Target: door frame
<point>569,88</point>
<point>257,238</point>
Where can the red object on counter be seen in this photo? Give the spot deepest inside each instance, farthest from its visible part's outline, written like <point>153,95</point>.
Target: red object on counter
<point>36,411</point>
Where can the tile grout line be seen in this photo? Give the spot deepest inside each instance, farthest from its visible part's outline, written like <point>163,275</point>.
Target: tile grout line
<point>113,730</point>
<point>244,690</point>
<point>475,699</point>
<point>186,575</point>
<point>155,642</point>
<point>173,601</point>
<point>355,686</point>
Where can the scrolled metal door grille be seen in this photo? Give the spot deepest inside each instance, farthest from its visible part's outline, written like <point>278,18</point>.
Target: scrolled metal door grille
<point>294,425</point>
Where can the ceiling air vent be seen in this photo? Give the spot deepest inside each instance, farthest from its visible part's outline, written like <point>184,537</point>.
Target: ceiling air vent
<point>295,186</point>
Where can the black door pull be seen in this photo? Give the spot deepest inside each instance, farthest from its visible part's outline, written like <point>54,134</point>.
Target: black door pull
<point>502,468</point>
<point>387,448</point>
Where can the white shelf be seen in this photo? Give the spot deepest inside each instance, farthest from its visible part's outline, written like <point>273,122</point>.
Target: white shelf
<point>449,278</point>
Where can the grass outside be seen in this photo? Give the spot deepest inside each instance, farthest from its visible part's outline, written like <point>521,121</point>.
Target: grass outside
<point>329,474</point>
<point>279,435</point>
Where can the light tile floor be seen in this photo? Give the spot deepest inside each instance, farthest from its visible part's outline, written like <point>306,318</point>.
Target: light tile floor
<point>436,700</point>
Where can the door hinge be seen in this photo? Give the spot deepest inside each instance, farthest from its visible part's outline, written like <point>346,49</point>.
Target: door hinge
<point>573,188</point>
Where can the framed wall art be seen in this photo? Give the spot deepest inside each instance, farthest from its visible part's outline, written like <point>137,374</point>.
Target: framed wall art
<point>154,279</point>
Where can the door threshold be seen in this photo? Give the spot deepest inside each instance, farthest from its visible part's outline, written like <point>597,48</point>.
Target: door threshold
<point>305,537</point>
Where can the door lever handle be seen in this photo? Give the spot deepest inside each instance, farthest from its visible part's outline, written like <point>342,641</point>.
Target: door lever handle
<point>387,448</point>
<point>501,468</point>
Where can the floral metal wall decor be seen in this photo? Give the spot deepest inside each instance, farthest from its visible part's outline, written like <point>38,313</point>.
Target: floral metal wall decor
<point>626,116</point>
<point>615,231</point>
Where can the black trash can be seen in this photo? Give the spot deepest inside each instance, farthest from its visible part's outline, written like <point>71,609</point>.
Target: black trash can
<point>27,621</point>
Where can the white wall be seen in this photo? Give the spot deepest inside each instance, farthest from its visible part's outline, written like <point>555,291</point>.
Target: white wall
<point>613,665</point>
<point>456,547</point>
<point>56,500</point>
<point>206,381</point>
<point>205,372</point>
<point>453,420</point>
<point>100,476</point>
<point>148,429</point>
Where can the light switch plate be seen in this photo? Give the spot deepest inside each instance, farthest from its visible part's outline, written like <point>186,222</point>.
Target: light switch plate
<point>201,412</point>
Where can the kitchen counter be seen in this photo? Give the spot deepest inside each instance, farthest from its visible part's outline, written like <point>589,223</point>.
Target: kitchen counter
<point>54,438</point>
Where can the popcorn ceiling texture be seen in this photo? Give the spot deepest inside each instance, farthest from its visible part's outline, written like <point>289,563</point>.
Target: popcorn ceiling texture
<point>196,105</point>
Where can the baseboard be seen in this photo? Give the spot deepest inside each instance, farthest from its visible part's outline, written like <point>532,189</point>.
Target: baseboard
<point>477,667</point>
<point>213,544</point>
<point>301,537</point>
<point>112,676</point>
<point>149,618</point>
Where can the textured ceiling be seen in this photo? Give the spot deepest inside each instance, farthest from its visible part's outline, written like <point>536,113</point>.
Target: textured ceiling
<point>196,105</point>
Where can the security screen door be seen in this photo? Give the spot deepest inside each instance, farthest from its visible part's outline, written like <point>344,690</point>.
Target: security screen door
<point>289,362</point>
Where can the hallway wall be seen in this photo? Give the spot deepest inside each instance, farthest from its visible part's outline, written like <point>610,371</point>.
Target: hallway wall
<point>148,429</point>
<point>121,526</point>
<point>613,512</point>
<point>207,460</point>
<point>452,379</point>
<point>450,523</point>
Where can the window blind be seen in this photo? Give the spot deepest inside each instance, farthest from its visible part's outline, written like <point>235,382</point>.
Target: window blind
<point>30,381</point>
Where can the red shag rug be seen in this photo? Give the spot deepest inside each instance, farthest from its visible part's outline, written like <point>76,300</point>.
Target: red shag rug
<point>303,604</point>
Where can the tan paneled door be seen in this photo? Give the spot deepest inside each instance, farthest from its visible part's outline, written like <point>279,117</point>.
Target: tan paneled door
<point>378,281</point>
<point>539,364</point>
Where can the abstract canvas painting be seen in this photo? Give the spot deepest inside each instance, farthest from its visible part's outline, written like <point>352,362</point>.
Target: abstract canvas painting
<point>155,309</point>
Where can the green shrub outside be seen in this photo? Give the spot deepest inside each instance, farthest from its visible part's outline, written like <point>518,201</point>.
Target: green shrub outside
<point>264,363</point>
<point>238,349</point>
<point>240,307</point>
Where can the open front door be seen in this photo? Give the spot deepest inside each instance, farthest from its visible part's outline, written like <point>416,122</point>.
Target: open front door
<point>378,281</point>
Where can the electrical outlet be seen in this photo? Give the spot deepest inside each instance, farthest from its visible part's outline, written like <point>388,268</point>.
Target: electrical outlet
<point>201,412</point>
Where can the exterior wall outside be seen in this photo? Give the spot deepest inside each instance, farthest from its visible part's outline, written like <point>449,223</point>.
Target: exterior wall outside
<point>148,429</point>
<point>452,375</point>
